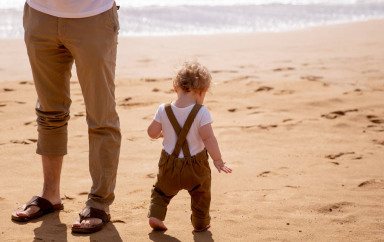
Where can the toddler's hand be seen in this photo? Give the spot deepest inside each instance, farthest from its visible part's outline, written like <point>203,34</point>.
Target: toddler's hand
<point>220,166</point>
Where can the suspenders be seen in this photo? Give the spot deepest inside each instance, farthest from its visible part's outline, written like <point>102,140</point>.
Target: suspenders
<point>182,132</point>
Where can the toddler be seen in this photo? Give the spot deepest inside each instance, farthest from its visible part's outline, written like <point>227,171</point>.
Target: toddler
<point>185,126</point>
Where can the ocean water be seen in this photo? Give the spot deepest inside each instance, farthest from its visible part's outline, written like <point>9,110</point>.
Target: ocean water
<point>181,17</point>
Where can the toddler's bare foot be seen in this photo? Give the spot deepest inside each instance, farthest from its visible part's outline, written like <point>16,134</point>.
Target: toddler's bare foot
<point>157,224</point>
<point>203,229</point>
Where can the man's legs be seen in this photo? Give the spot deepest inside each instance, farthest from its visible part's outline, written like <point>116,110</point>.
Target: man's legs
<point>93,42</point>
<point>51,66</point>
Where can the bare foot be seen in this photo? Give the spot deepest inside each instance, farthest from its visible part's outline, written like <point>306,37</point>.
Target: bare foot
<point>157,224</point>
<point>203,229</point>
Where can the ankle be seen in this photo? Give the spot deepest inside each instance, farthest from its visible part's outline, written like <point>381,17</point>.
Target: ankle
<point>51,195</point>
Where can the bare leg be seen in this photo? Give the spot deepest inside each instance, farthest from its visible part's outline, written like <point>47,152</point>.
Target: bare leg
<point>51,187</point>
<point>157,224</point>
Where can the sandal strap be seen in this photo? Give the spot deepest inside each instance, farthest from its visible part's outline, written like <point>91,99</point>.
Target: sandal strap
<point>42,203</point>
<point>90,212</point>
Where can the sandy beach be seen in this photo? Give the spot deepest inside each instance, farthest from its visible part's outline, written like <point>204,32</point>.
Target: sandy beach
<point>299,117</point>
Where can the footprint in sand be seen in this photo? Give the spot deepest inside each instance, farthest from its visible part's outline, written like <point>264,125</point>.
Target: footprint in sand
<point>2,105</point>
<point>226,71</point>
<point>290,186</point>
<point>151,175</point>
<point>149,80</point>
<point>372,184</point>
<point>334,156</point>
<point>67,198</point>
<point>357,90</point>
<point>126,103</point>
<point>267,127</point>
<point>232,110</point>
<point>154,79</point>
<point>29,122</point>
<point>336,114</point>
<point>335,207</point>
<point>8,89</point>
<point>247,126</point>
<point>311,78</point>
<point>284,69</point>
<point>24,142</point>
<point>155,89</point>
<point>264,174</point>
<point>79,114</point>
<point>25,82</point>
<point>254,112</point>
<point>375,119</point>
<point>379,142</point>
<point>135,191</point>
<point>287,120</point>
<point>83,193</point>
<point>284,92</point>
<point>264,89</point>
<point>345,220</point>
<point>141,206</point>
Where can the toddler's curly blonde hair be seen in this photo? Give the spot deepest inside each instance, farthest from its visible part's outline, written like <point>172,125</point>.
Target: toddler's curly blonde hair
<point>192,76</point>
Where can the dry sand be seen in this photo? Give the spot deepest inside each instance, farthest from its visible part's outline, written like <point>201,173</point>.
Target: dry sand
<point>299,117</point>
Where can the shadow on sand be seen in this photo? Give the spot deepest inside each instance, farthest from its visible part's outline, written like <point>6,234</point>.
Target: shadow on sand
<point>108,233</point>
<point>159,236</point>
<point>51,228</point>
<point>205,236</point>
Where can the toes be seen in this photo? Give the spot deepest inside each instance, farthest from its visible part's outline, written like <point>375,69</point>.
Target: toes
<point>87,223</point>
<point>25,213</point>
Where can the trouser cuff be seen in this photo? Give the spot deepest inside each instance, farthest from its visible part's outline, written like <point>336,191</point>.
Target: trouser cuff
<point>200,223</point>
<point>157,211</point>
<point>52,144</point>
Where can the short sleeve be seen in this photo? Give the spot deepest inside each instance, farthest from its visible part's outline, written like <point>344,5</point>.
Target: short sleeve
<point>205,117</point>
<point>157,117</point>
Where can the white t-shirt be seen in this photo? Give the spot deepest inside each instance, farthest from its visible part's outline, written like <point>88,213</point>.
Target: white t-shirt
<point>71,8</point>
<point>195,142</point>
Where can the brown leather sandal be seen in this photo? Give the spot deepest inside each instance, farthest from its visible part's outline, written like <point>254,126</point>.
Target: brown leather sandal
<point>42,203</point>
<point>92,213</point>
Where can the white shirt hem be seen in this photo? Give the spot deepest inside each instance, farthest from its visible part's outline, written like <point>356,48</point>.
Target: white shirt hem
<point>71,15</point>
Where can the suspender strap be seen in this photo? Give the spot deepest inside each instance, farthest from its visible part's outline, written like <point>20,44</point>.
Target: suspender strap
<point>176,127</point>
<point>182,132</point>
